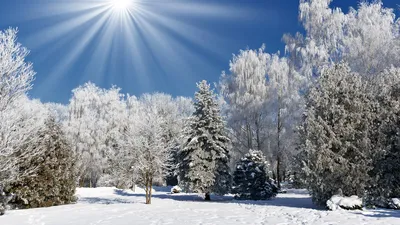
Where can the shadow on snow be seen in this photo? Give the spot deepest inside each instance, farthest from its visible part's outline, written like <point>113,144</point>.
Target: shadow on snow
<point>281,200</point>
<point>106,201</point>
<point>381,213</point>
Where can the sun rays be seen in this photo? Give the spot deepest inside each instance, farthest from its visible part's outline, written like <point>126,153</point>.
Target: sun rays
<point>120,41</point>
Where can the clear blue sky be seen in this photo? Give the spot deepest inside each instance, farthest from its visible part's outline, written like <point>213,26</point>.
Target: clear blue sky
<point>163,45</point>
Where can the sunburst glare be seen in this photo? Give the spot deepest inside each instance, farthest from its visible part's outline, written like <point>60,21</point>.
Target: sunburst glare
<point>121,5</point>
<point>107,38</point>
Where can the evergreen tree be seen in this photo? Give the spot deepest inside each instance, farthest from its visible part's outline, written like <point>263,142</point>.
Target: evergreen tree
<point>204,159</point>
<point>386,139</point>
<point>53,182</point>
<point>250,179</point>
<point>335,139</point>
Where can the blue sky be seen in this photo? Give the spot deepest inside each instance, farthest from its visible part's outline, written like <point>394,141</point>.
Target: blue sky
<point>161,46</point>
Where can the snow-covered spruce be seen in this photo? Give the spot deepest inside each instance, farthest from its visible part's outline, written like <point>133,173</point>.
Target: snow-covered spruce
<point>349,203</point>
<point>250,180</point>
<point>53,181</point>
<point>204,159</point>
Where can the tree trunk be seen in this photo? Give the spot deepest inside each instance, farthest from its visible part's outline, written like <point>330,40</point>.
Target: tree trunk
<point>258,133</point>
<point>146,182</point>
<point>133,184</point>
<point>208,197</point>
<point>150,191</point>
<point>146,193</point>
<point>149,184</point>
<point>249,136</point>
<point>278,176</point>
<point>278,155</point>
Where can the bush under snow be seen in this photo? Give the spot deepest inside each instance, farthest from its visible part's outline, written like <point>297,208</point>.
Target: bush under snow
<point>396,203</point>
<point>382,202</point>
<point>348,203</point>
<point>176,189</point>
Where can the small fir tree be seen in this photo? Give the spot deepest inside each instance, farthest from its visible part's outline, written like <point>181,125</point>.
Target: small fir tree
<point>250,179</point>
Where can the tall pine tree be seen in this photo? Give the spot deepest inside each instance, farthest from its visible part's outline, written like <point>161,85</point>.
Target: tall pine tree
<point>204,158</point>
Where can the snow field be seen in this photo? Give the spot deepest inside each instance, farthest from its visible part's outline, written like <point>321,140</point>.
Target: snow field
<point>111,206</point>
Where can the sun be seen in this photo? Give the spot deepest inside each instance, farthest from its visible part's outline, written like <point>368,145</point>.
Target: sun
<point>120,5</point>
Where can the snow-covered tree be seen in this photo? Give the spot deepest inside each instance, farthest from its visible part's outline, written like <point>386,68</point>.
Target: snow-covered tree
<point>204,158</point>
<point>18,126</point>
<point>285,107</point>
<point>335,135</point>
<point>250,179</point>
<point>171,114</point>
<point>386,138</point>
<point>96,121</point>
<point>53,181</point>
<point>263,105</point>
<point>58,111</point>
<point>174,113</point>
<point>245,90</point>
<point>16,74</point>
<point>151,151</point>
<point>366,38</point>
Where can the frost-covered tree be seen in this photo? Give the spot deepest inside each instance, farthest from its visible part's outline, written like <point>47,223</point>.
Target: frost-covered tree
<point>204,159</point>
<point>18,126</point>
<point>366,38</point>
<point>250,179</point>
<point>285,107</point>
<point>16,74</point>
<point>96,121</point>
<point>245,90</point>
<point>263,105</point>
<point>58,111</point>
<point>171,114</point>
<point>151,151</point>
<point>53,181</point>
<point>335,135</point>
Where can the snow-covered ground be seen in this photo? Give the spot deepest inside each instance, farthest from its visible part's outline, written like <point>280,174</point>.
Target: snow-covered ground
<point>110,206</point>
